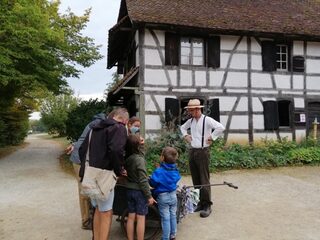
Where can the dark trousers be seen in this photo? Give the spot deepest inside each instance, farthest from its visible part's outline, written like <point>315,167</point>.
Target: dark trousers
<point>199,167</point>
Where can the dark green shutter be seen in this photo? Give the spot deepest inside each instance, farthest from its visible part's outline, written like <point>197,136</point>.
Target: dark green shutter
<point>171,110</point>
<point>214,52</point>
<point>271,117</point>
<point>172,44</point>
<point>298,64</point>
<point>269,56</point>
<point>213,109</point>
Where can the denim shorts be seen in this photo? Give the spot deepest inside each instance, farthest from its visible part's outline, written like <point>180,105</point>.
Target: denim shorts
<point>104,205</point>
<point>137,202</point>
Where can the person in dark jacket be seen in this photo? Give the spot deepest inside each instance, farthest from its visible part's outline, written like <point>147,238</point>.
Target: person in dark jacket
<point>138,189</point>
<point>164,181</point>
<point>107,145</point>
<point>73,149</point>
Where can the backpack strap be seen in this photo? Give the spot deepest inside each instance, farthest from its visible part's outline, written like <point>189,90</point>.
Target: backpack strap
<point>203,124</point>
<point>87,154</point>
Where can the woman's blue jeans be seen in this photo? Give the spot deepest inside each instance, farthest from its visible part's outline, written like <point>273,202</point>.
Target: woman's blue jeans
<point>167,204</point>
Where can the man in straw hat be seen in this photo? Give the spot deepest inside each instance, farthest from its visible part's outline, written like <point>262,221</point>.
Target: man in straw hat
<point>204,130</point>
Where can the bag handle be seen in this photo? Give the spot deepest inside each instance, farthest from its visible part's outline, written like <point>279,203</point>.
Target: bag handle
<point>87,154</point>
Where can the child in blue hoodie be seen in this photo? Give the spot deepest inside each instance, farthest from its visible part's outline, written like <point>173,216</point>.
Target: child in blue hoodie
<point>164,181</point>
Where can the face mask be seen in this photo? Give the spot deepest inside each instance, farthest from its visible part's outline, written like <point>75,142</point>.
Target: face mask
<point>134,130</point>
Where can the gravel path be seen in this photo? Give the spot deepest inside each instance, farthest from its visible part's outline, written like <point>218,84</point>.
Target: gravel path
<point>39,201</point>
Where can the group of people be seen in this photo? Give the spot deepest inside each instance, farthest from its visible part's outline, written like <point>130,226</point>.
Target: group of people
<point>117,145</point>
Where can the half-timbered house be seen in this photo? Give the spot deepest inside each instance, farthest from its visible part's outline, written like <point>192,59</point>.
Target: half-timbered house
<point>254,64</point>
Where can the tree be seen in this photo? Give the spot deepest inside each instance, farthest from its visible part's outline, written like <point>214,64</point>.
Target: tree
<point>39,49</point>
<point>54,112</point>
<point>80,116</point>
<point>114,82</point>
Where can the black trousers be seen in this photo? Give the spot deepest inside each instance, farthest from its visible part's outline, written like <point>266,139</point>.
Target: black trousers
<point>199,159</point>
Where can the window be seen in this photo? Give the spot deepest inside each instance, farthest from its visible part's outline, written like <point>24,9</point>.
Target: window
<point>277,114</point>
<point>192,51</point>
<point>282,57</point>
<point>275,56</point>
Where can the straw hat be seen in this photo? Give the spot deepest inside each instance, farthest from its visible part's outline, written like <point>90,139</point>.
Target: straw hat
<point>194,103</point>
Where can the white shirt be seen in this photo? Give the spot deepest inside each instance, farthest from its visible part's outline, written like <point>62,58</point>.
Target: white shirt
<point>196,130</point>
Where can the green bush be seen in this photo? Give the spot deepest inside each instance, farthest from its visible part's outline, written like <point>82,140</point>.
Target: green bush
<point>269,153</point>
<point>305,155</point>
<point>79,117</point>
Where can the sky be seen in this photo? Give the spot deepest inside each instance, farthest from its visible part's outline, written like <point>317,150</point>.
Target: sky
<point>104,14</point>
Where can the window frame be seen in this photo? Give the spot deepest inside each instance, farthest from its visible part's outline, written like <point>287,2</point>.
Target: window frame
<point>279,55</point>
<point>191,57</point>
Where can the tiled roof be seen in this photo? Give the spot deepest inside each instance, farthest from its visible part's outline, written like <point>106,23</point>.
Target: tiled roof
<point>293,17</point>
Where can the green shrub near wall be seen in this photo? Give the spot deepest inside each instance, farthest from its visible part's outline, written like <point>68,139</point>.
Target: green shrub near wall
<point>266,154</point>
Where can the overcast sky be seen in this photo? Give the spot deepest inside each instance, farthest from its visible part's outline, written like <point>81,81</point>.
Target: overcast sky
<point>103,16</point>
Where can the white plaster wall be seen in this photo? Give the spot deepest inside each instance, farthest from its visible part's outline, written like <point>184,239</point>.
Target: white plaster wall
<point>238,138</point>
<point>149,104</point>
<point>268,99</point>
<point>239,61</point>
<point>227,103</point>
<point>200,78</point>
<point>173,77</point>
<point>255,46</point>
<point>185,77</point>
<point>256,62</point>
<point>300,135</point>
<point>261,80</point>
<point>298,102</point>
<point>243,45</point>
<point>228,42</point>
<point>271,136</point>
<point>161,101</point>
<point>243,104</point>
<point>155,77</point>
<point>223,119</point>
<point>161,89</point>
<point>152,57</point>
<point>149,40</point>
<point>237,79</point>
<point>297,82</point>
<point>215,78</point>
<point>297,48</point>
<point>259,137</point>
<point>258,121</point>
<point>282,81</point>
<point>224,59</point>
<point>239,122</point>
<point>152,122</point>
<point>256,104</point>
<point>184,90</point>
<point>313,83</point>
<point>313,48</point>
<point>313,65</point>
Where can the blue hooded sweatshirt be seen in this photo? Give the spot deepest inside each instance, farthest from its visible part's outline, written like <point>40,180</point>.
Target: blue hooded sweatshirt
<point>165,178</point>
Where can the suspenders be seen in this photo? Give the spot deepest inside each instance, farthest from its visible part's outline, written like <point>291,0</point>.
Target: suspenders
<point>204,119</point>
<point>202,139</point>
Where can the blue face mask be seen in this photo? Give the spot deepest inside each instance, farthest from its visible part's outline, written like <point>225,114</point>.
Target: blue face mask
<point>134,130</point>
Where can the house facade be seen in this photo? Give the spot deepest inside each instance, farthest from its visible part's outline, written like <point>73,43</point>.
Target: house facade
<point>255,65</point>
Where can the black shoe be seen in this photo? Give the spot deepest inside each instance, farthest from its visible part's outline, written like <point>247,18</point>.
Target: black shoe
<point>198,208</point>
<point>87,225</point>
<point>205,212</point>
